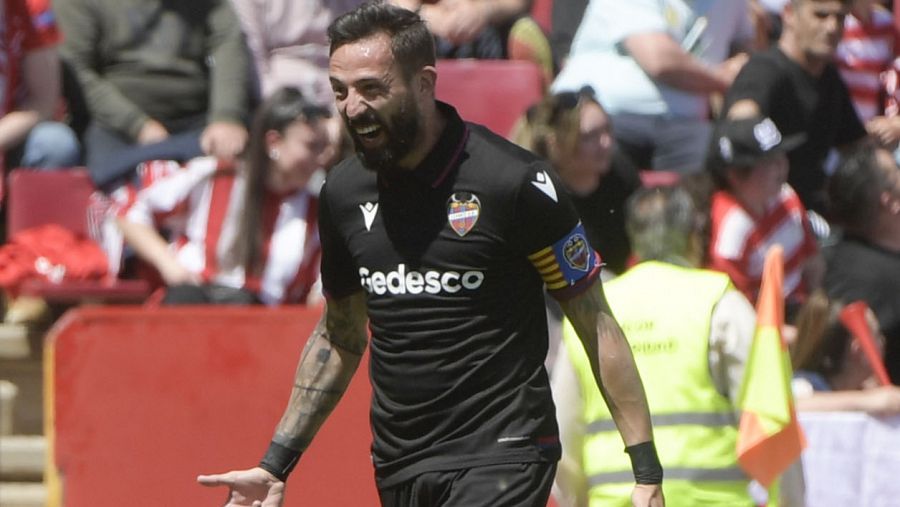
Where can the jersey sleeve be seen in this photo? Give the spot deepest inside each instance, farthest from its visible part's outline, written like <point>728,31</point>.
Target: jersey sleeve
<point>550,233</point>
<point>850,127</point>
<point>339,272</point>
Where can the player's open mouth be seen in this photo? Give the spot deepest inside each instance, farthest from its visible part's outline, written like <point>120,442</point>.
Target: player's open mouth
<point>368,132</point>
<point>370,135</point>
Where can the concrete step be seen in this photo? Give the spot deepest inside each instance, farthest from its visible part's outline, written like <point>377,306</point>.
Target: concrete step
<point>27,375</point>
<point>8,394</point>
<point>22,458</point>
<point>23,494</point>
<point>14,343</point>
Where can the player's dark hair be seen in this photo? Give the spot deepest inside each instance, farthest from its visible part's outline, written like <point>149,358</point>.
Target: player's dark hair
<point>412,45</point>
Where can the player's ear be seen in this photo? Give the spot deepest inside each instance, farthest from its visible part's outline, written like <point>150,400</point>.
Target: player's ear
<point>426,79</point>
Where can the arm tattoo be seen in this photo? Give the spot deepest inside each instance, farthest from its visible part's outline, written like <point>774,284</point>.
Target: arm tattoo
<point>330,358</point>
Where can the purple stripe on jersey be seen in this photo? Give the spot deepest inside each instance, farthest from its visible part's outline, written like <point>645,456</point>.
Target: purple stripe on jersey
<point>452,163</point>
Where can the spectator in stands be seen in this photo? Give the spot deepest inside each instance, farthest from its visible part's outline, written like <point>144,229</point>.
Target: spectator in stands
<point>865,51</point>
<point>289,44</point>
<point>150,69</point>
<point>700,375</point>
<point>866,57</point>
<point>797,85</point>
<point>754,208</point>
<point>667,58</point>
<point>573,132</point>
<point>832,370</point>
<point>865,263</point>
<point>243,232</point>
<point>289,47</point>
<point>30,91</point>
<point>485,29</point>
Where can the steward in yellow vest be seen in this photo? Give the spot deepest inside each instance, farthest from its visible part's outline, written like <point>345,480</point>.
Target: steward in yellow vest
<point>694,425</point>
<point>666,312</point>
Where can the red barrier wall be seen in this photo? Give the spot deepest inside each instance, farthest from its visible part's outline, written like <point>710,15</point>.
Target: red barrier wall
<point>140,401</point>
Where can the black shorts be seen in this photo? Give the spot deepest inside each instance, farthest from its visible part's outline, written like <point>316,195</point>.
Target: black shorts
<point>505,485</point>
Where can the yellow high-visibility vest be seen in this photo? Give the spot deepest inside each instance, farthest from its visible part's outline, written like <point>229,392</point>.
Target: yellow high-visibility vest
<point>665,311</point>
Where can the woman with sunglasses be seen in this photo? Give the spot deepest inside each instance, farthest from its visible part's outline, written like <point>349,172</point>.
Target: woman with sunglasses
<point>574,133</point>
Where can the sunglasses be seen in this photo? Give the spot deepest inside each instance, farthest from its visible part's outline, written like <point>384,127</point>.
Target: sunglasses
<point>565,101</point>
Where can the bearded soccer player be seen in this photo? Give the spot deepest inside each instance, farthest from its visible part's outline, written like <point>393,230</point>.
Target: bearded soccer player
<point>441,236</point>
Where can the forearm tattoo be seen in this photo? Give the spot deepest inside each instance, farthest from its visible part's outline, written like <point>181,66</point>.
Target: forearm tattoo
<point>326,366</point>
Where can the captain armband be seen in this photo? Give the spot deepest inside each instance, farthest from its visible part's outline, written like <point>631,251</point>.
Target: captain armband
<point>645,463</point>
<point>567,262</point>
<point>280,460</point>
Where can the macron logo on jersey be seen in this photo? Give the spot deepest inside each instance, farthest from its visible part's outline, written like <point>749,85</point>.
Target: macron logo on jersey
<point>400,281</point>
<point>544,184</point>
<point>369,210</point>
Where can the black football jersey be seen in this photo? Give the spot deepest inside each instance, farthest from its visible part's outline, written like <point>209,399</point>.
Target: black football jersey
<point>454,257</point>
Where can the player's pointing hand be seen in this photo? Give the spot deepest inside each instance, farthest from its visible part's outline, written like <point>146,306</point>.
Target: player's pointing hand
<point>248,488</point>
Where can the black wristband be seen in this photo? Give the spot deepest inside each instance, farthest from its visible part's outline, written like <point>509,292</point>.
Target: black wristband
<point>645,463</point>
<point>280,460</point>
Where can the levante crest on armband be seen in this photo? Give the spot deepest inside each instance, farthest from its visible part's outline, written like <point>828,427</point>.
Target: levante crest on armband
<point>463,209</point>
<point>576,252</point>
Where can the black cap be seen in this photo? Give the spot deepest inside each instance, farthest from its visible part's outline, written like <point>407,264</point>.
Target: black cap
<point>745,142</point>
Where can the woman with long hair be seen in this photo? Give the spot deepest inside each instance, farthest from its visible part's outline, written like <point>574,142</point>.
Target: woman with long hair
<point>242,232</point>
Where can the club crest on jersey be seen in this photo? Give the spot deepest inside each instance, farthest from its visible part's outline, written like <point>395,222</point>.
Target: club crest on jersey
<point>576,252</point>
<point>463,209</point>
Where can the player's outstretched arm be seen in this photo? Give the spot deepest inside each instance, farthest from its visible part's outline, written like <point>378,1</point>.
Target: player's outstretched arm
<point>619,382</point>
<point>326,366</point>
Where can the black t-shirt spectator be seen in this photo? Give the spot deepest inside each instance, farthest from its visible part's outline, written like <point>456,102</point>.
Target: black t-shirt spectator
<point>798,102</point>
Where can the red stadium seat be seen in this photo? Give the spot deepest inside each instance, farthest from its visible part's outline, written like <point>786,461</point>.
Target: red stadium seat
<point>61,197</point>
<point>494,93</point>
<point>42,197</point>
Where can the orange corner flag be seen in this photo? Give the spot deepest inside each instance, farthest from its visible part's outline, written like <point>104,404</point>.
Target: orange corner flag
<point>769,437</point>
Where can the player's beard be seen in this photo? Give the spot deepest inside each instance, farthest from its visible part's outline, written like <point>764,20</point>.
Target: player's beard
<point>400,129</point>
